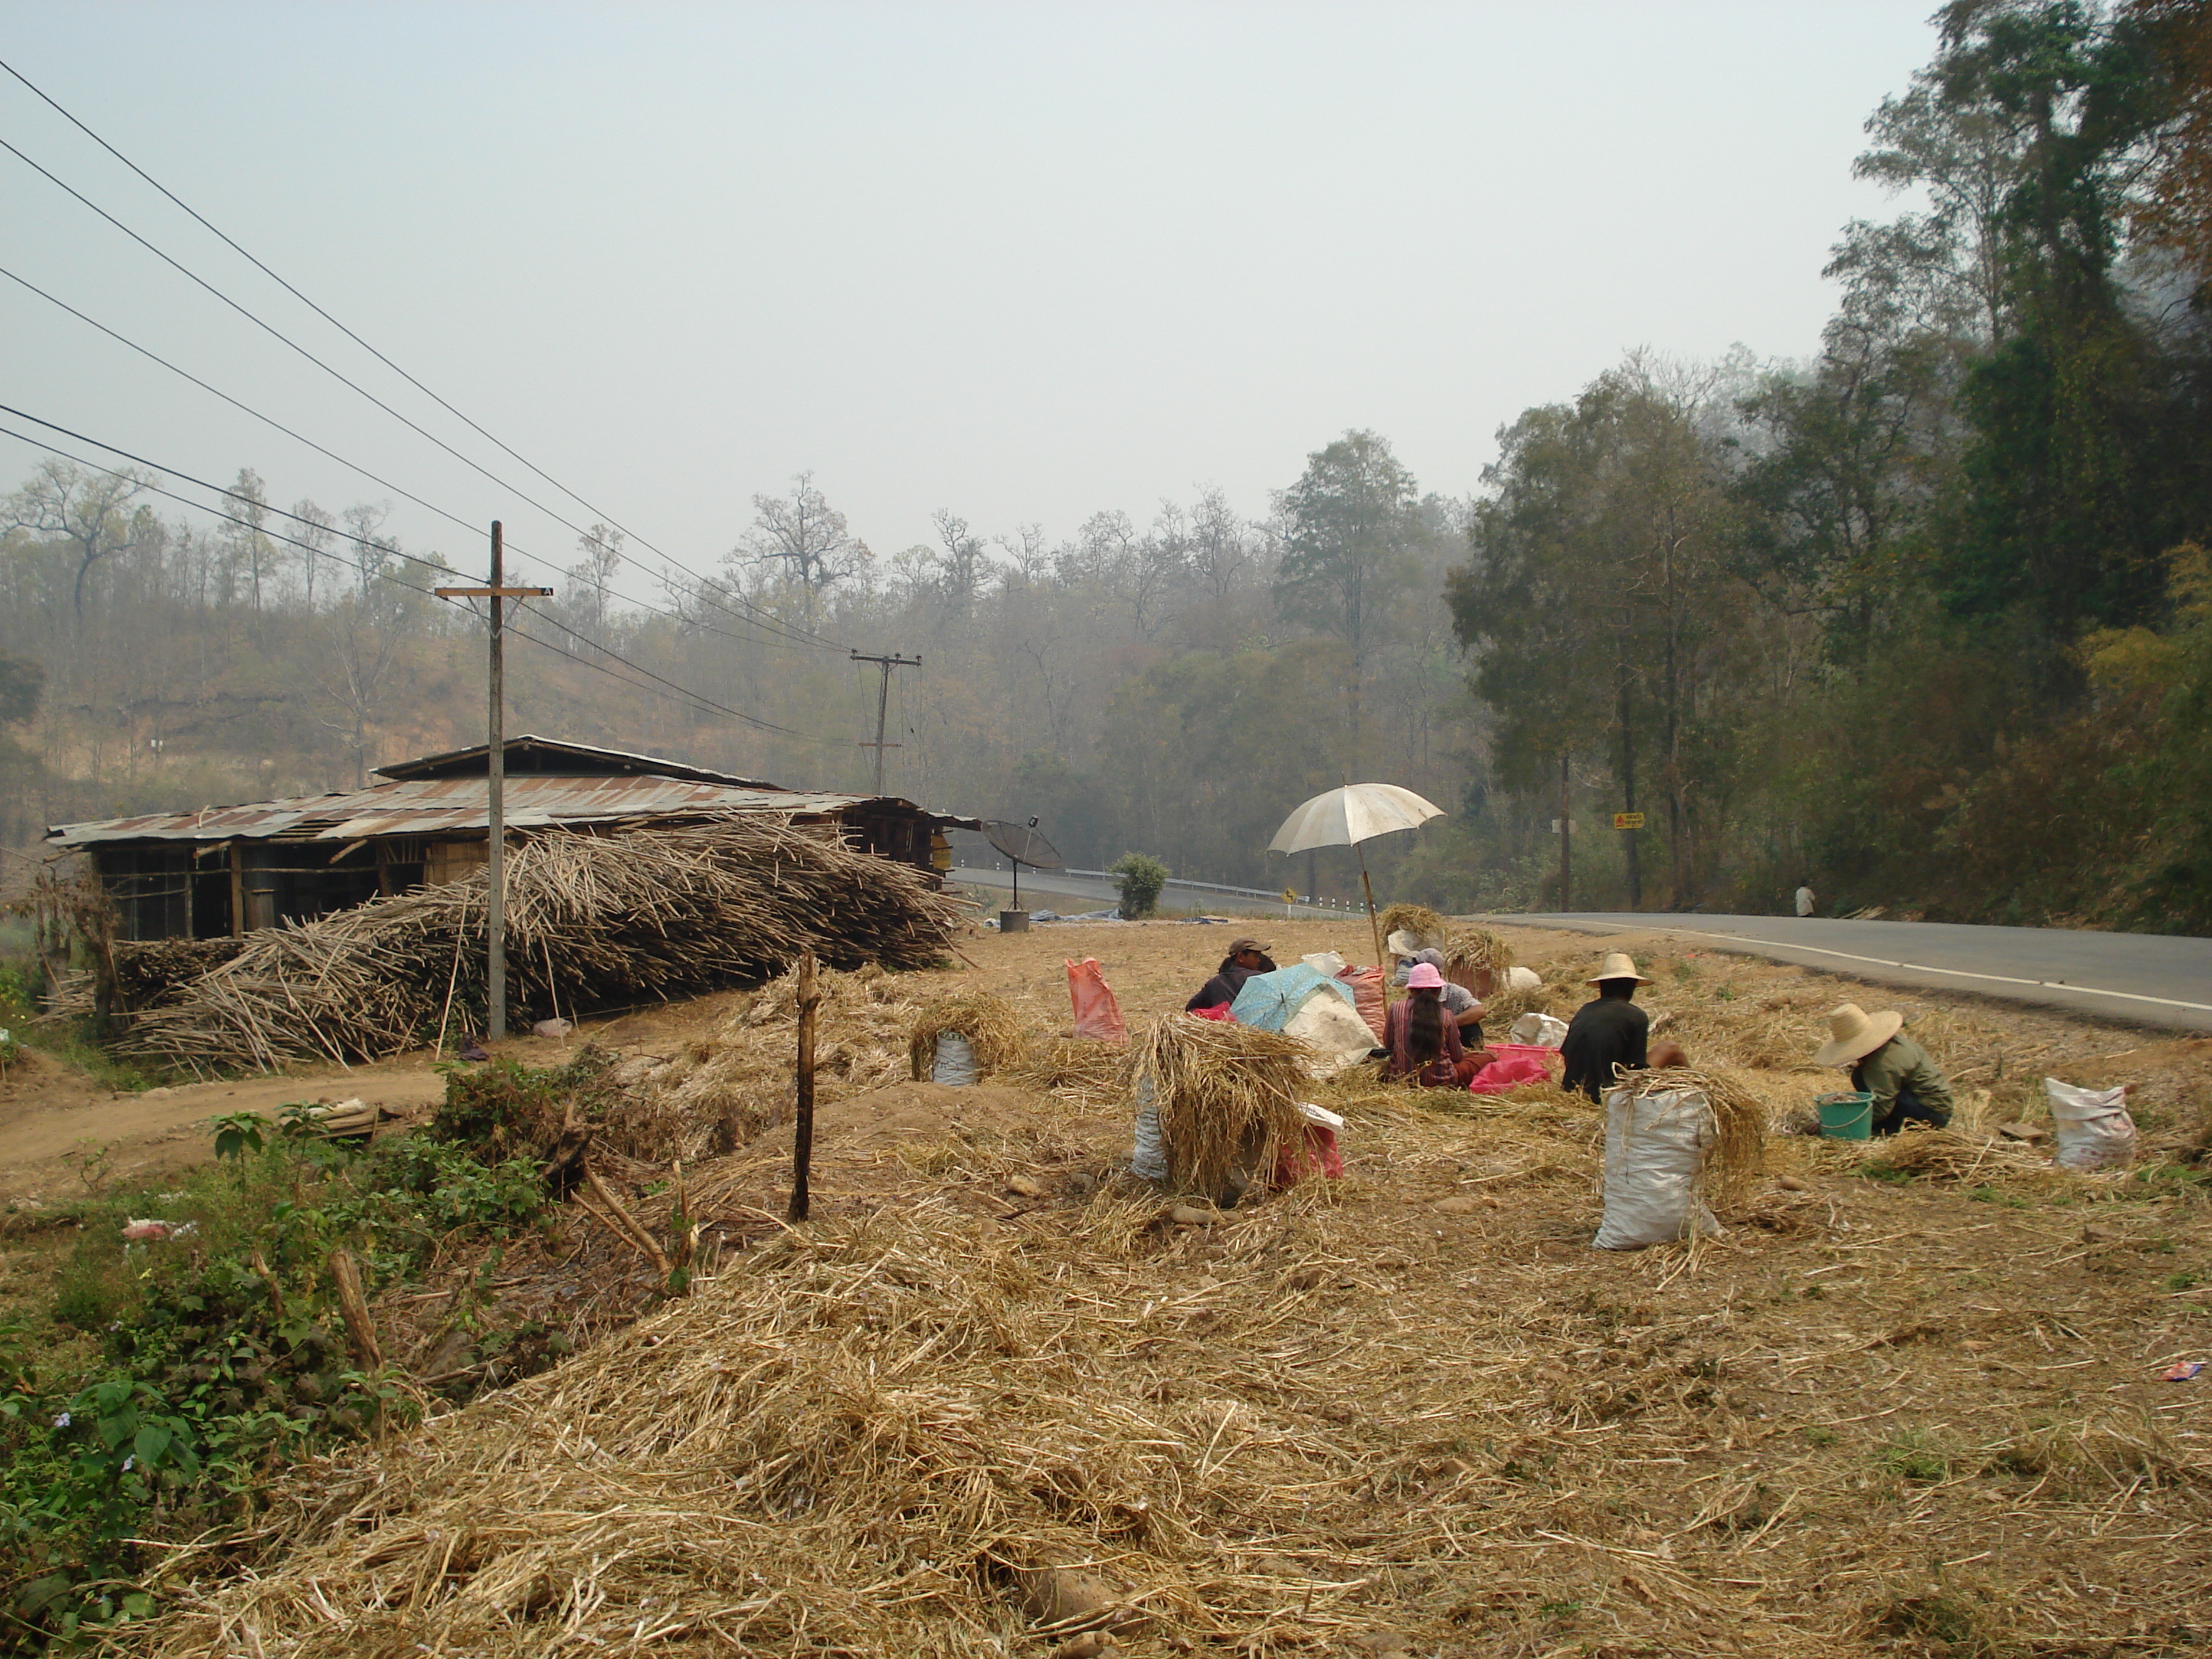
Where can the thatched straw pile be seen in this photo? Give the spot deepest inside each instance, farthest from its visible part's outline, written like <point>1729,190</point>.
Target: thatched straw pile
<point>592,922</point>
<point>989,1023</point>
<point>1227,1097</point>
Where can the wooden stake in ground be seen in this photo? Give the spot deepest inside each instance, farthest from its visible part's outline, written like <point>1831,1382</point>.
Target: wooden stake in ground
<point>802,1149</point>
<point>361,1330</point>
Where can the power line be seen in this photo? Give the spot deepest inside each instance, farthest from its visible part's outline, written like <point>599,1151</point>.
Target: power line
<point>763,616</point>
<point>770,641</point>
<point>701,702</point>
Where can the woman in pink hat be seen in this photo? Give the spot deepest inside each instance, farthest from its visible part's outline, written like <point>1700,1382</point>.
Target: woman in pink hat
<point>1423,1044</point>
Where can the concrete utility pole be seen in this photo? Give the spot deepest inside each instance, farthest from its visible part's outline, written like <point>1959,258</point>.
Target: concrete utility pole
<point>883,704</point>
<point>1566,834</point>
<point>496,783</point>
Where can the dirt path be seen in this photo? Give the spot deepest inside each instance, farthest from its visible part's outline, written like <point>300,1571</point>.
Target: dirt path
<point>59,1127</point>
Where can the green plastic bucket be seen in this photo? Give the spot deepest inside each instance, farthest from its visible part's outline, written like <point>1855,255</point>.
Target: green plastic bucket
<point>1847,1117</point>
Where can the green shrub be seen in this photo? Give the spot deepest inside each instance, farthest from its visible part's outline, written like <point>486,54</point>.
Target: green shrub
<point>1139,878</point>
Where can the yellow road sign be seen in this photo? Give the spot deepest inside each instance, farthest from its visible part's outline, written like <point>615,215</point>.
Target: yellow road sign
<point>1288,897</point>
<point>1628,820</point>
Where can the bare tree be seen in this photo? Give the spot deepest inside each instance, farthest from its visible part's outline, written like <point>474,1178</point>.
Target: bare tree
<point>593,573</point>
<point>314,529</point>
<point>89,511</point>
<point>807,537</point>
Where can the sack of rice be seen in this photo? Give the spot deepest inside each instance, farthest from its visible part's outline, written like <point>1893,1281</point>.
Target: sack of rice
<point>1656,1146</point>
<point>2094,1130</point>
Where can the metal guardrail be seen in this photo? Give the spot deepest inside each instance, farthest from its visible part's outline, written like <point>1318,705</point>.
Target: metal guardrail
<point>1196,886</point>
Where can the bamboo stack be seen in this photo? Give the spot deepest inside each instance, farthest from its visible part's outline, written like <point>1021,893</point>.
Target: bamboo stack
<point>592,922</point>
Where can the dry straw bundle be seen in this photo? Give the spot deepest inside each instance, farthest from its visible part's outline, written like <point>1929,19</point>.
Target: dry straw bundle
<point>1427,925</point>
<point>1739,1123</point>
<point>592,922</point>
<point>1083,1070</point>
<point>1227,1097</point>
<point>989,1023</point>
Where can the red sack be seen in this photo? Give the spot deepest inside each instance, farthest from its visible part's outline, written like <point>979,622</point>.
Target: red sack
<point>1318,1156</point>
<point>1096,1013</point>
<point>1219,1010</point>
<point>1516,1062</point>
<point>1366,985</point>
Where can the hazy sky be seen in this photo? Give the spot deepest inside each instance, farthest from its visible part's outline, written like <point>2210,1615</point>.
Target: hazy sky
<point>1023,261</point>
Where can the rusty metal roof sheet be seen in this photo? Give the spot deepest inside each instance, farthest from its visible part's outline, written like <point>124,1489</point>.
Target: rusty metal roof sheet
<point>430,806</point>
<point>580,759</point>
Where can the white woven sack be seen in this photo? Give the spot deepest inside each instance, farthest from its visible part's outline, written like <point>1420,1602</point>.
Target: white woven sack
<point>1538,1031</point>
<point>1518,978</point>
<point>954,1065</point>
<point>1655,1150</point>
<point>1339,1036</point>
<point>2094,1130</point>
<point>1148,1158</point>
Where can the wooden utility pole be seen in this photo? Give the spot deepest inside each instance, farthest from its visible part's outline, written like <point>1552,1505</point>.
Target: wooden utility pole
<point>802,1145</point>
<point>496,783</point>
<point>883,704</point>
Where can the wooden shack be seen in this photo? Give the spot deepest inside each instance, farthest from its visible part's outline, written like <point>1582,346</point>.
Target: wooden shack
<point>223,870</point>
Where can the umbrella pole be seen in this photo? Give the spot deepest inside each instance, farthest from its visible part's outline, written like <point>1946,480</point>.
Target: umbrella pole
<point>1374,926</point>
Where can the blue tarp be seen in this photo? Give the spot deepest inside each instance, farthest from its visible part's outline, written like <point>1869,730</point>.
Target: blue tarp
<point>1268,1000</point>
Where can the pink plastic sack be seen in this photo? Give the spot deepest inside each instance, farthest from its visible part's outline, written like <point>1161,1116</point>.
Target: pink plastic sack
<point>1319,1156</point>
<point>1096,1013</point>
<point>1366,985</point>
<point>1516,1062</point>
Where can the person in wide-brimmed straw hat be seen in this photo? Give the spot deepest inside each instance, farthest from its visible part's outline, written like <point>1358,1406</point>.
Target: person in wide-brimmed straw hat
<point>1609,1034</point>
<point>1907,1086</point>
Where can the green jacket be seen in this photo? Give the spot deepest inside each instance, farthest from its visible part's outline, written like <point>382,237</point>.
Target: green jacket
<point>1901,1063</point>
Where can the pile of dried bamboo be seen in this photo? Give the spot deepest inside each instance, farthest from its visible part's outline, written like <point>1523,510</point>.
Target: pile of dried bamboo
<point>592,922</point>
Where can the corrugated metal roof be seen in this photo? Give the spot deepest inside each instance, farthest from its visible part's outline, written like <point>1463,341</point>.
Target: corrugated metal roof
<point>590,760</point>
<point>435,805</point>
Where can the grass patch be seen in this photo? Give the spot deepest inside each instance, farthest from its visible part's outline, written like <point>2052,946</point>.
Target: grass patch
<point>1911,1455</point>
<point>171,1373</point>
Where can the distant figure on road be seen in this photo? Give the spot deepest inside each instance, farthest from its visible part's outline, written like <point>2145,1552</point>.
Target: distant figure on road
<point>1906,1085</point>
<point>1805,899</point>
<point>1246,958</point>
<point>1611,1031</point>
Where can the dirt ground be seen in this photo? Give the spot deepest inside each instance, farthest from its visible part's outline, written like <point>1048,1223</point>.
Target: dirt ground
<point>1408,1412</point>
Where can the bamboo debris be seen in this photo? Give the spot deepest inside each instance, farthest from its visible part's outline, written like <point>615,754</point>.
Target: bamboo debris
<point>1227,1097</point>
<point>592,922</point>
<point>991,1025</point>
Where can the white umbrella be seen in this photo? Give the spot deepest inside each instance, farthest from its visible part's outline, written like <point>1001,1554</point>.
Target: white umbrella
<point>1349,816</point>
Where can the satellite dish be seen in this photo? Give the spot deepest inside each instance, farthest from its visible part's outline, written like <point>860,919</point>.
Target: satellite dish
<point>1022,843</point>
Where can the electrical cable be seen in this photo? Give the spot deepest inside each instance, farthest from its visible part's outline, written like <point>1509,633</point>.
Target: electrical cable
<point>701,702</point>
<point>770,642</point>
<point>763,616</point>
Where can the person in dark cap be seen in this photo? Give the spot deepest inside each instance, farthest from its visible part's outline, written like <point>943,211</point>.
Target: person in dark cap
<point>1246,958</point>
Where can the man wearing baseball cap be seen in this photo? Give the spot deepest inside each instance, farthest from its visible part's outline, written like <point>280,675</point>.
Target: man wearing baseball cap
<point>1246,958</point>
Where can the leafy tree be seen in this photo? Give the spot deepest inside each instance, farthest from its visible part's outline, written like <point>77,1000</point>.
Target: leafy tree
<point>1349,530</point>
<point>88,510</point>
<point>1139,878</point>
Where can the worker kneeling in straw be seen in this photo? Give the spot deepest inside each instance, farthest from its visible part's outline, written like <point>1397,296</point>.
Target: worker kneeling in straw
<point>1246,958</point>
<point>1461,1007</point>
<point>1423,1041</point>
<point>1610,1034</point>
<point>1907,1086</point>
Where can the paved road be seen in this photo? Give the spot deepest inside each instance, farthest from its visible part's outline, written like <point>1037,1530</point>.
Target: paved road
<point>2156,978</point>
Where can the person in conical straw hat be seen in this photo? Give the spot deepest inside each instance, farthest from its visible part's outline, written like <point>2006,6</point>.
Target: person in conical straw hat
<point>1907,1086</point>
<point>1609,1034</point>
